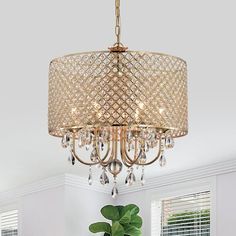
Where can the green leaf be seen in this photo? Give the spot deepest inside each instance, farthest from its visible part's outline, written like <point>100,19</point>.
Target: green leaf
<point>100,227</point>
<point>134,210</point>
<point>125,219</point>
<point>136,221</point>
<point>132,231</point>
<point>120,208</point>
<point>117,229</point>
<point>110,212</point>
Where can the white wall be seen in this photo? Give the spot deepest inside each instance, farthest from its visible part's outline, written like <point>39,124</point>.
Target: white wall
<point>226,205</point>
<point>63,211</point>
<point>83,208</point>
<point>58,206</point>
<point>42,213</point>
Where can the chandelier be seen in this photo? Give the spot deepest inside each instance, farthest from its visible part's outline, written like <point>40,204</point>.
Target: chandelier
<point>123,108</point>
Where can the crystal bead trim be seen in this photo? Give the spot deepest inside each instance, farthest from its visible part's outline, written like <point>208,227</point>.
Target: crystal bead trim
<point>118,89</point>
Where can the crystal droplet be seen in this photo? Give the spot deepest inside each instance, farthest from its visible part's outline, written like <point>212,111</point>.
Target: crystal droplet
<point>114,192</point>
<point>87,147</point>
<point>81,138</point>
<point>127,180</point>
<point>102,146</point>
<point>90,178</point>
<point>69,159</point>
<point>142,157</point>
<point>169,141</point>
<point>162,160</point>
<point>65,142</point>
<point>152,135</point>
<point>132,145</point>
<point>130,179</point>
<point>129,147</point>
<point>72,160</point>
<point>94,155</point>
<point>129,136</point>
<point>105,135</point>
<point>104,178</point>
<point>142,178</point>
<point>88,137</point>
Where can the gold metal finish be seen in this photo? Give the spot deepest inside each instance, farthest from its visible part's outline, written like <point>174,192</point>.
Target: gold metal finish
<point>143,89</point>
<point>126,159</point>
<point>117,28</point>
<point>118,104</point>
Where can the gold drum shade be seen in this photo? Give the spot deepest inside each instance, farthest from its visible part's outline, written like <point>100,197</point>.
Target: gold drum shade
<point>131,88</point>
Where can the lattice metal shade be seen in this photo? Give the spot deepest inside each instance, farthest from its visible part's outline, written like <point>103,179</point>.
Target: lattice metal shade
<point>118,89</point>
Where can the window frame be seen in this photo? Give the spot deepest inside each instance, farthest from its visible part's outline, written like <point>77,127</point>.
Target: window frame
<point>7,208</point>
<point>185,188</point>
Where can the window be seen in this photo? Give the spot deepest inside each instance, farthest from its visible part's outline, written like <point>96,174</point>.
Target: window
<point>9,223</point>
<point>187,215</point>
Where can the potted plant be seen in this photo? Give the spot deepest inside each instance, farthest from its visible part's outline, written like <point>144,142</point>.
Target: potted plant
<point>125,221</point>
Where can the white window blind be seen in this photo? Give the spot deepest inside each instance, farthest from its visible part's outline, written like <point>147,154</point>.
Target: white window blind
<point>187,215</point>
<point>9,223</point>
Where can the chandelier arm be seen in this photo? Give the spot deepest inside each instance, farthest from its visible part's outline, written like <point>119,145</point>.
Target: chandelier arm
<point>126,162</point>
<point>125,154</point>
<point>116,142</point>
<point>124,147</point>
<point>126,159</point>
<point>135,154</point>
<point>81,161</point>
<point>74,154</point>
<point>113,146</point>
<point>160,151</point>
<point>102,160</point>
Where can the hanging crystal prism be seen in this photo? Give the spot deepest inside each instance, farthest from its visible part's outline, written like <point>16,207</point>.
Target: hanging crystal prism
<point>88,137</point>
<point>114,192</point>
<point>169,141</point>
<point>72,160</point>
<point>142,177</point>
<point>104,178</point>
<point>129,136</point>
<point>87,147</point>
<point>104,136</point>
<point>162,160</point>
<point>129,147</point>
<point>102,146</point>
<point>90,177</point>
<point>94,155</point>
<point>130,179</point>
<point>142,157</point>
<point>81,138</point>
<point>65,142</point>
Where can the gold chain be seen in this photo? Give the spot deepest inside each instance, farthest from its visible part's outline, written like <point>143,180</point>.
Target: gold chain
<point>118,46</point>
<point>117,28</point>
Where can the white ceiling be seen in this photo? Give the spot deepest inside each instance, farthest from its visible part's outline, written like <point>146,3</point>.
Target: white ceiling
<point>33,32</point>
